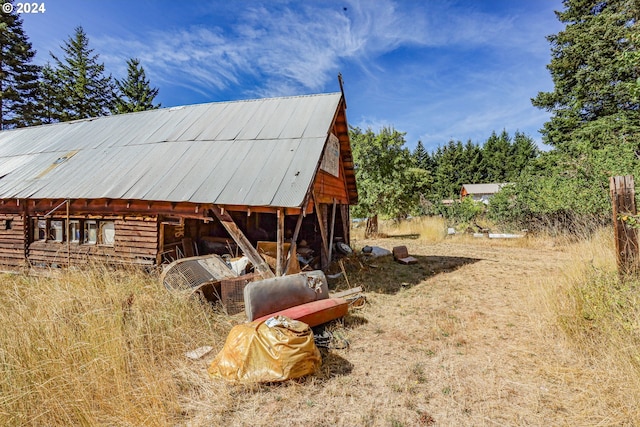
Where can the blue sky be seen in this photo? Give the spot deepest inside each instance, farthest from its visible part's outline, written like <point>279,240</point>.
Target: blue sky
<point>435,69</point>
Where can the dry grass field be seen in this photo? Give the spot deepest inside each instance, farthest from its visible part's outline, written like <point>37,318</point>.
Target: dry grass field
<point>480,332</point>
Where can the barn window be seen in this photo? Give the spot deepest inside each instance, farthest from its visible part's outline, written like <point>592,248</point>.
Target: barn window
<point>56,230</point>
<point>91,232</point>
<point>75,231</point>
<point>107,232</point>
<point>39,229</point>
<point>7,224</point>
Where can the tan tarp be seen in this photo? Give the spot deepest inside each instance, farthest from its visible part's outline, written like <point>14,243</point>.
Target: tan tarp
<point>277,349</point>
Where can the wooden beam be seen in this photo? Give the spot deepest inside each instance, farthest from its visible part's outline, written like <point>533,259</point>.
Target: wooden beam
<point>160,243</point>
<point>323,232</point>
<point>626,237</point>
<point>294,240</point>
<point>279,242</point>
<point>241,240</point>
<point>333,226</point>
<point>26,231</point>
<point>39,207</point>
<point>346,223</point>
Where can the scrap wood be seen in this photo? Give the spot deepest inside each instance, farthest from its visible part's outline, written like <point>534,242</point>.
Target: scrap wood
<point>344,272</point>
<point>354,297</point>
<point>346,293</point>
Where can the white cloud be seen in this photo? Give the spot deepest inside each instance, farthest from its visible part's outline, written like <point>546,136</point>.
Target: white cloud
<point>294,46</point>
<point>445,88</point>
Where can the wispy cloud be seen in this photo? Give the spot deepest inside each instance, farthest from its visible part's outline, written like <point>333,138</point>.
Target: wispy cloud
<point>295,46</point>
<point>436,69</point>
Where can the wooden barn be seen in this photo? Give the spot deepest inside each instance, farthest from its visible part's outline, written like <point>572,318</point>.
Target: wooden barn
<point>147,188</point>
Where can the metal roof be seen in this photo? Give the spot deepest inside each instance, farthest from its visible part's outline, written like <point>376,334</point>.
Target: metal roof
<point>490,188</point>
<point>256,153</point>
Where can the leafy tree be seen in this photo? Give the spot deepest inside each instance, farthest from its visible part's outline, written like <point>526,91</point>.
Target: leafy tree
<point>134,92</point>
<point>18,76</point>
<point>389,181</point>
<point>85,90</point>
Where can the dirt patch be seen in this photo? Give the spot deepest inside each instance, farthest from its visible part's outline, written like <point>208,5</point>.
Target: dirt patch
<point>463,337</point>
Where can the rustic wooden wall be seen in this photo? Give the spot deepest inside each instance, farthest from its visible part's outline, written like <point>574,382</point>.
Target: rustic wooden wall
<point>136,242</point>
<point>328,187</point>
<point>137,239</point>
<point>12,240</point>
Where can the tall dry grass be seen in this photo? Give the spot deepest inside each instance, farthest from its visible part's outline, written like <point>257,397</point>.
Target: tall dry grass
<point>600,313</point>
<point>98,347</point>
<point>424,228</point>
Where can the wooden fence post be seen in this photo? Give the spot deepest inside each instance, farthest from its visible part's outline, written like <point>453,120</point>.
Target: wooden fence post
<point>623,201</point>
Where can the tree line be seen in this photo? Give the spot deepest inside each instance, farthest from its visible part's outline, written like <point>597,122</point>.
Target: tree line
<point>396,182</point>
<point>593,132</point>
<point>68,87</point>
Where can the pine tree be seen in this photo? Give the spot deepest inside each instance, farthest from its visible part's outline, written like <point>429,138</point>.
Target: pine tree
<point>421,156</point>
<point>135,92</point>
<point>86,91</point>
<point>523,151</point>
<point>496,157</point>
<point>50,102</point>
<point>591,101</point>
<point>449,175</point>
<point>472,163</point>
<point>18,76</point>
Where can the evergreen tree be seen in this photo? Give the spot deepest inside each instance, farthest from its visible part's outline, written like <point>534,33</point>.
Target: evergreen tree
<point>50,103</point>
<point>18,76</point>
<point>85,90</point>
<point>421,156</point>
<point>135,92</point>
<point>449,176</point>
<point>595,122</point>
<point>523,151</point>
<point>496,153</point>
<point>591,103</point>
<point>471,164</point>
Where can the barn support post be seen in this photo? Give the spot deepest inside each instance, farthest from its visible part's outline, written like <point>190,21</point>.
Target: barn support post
<point>321,216</point>
<point>346,223</point>
<point>238,236</point>
<point>280,242</point>
<point>160,242</point>
<point>68,237</point>
<point>294,241</point>
<point>332,231</point>
<point>26,234</point>
<point>294,238</point>
<point>626,237</point>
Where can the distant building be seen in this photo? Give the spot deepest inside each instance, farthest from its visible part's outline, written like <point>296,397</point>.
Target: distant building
<point>481,192</point>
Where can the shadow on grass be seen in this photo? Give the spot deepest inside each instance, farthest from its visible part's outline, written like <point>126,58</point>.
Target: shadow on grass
<point>352,321</point>
<point>333,365</point>
<point>384,275</point>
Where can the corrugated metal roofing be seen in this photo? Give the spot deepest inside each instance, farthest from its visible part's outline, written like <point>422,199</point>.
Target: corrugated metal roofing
<point>256,153</point>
